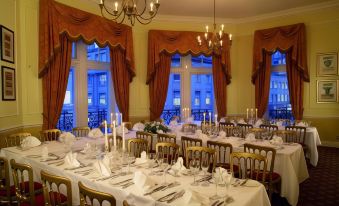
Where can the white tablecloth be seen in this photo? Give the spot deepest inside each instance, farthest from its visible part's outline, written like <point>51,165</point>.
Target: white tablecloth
<point>242,195</point>
<point>312,141</point>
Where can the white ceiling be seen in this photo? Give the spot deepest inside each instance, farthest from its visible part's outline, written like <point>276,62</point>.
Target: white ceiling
<point>228,9</point>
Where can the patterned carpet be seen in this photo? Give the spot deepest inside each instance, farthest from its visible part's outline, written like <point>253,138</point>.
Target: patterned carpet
<point>322,188</point>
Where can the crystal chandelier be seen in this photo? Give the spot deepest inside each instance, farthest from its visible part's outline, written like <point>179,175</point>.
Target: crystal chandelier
<point>214,40</point>
<point>118,11</point>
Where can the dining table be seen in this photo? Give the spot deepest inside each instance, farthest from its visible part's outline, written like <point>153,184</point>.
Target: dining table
<point>251,193</point>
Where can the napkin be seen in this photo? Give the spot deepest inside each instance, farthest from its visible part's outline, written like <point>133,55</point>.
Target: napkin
<point>173,123</point>
<point>179,165</point>
<point>279,123</point>
<point>119,130</point>
<point>142,181</point>
<point>30,141</point>
<point>222,120</point>
<point>258,123</point>
<point>159,131</point>
<point>102,169</point>
<point>222,134</point>
<point>192,198</point>
<point>107,160</point>
<point>44,153</point>
<point>95,133</point>
<point>250,137</point>
<point>64,136</point>
<point>301,124</point>
<point>87,148</point>
<point>276,140</point>
<point>138,126</point>
<point>71,160</point>
<point>142,159</point>
<point>241,121</point>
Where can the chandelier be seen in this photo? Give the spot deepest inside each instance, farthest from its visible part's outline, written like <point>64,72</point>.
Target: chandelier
<point>214,40</point>
<point>118,11</point>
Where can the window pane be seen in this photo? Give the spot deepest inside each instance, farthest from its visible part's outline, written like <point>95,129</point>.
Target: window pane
<point>95,53</point>
<point>74,50</point>
<point>176,61</point>
<point>202,89</point>
<point>98,97</point>
<point>201,62</point>
<point>173,100</point>
<point>66,118</point>
<point>278,58</point>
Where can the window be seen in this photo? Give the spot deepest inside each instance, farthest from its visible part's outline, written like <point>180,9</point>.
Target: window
<point>89,98</point>
<point>208,98</point>
<point>176,60</point>
<point>95,53</point>
<point>201,61</point>
<point>197,98</point>
<point>176,77</point>
<point>176,98</point>
<point>103,80</point>
<point>102,98</point>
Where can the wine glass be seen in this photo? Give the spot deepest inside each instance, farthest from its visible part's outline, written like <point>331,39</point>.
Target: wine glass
<point>217,178</point>
<point>227,178</point>
<point>194,168</point>
<point>151,163</point>
<point>204,167</point>
<point>165,166</point>
<point>130,160</point>
<point>174,168</point>
<point>159,158</point>
<point>236,131</point>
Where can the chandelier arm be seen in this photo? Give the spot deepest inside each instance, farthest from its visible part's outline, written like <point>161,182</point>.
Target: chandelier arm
<point>111,19</point>
<point>143,21</point>
<point>143,11</point>
<point>112,14</point>
<point>149,18</point>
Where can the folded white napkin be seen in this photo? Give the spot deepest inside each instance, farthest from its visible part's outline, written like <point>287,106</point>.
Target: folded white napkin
<point>276,140</point>
<point>173,123</point>
<point>159,131</point>
<point>142,181</point>
<point>142,159</point>
<point>95,133</point>
<point>192,198</point>
<point>64,136</point>
<point>119,130</point>
<point>107,160</point>
<point>279,123</point>
<point>71,160</point>
<point>222,134</point>
<point>30,141</point>
<point>222,120</point>
<point>219,172</point>
<point>250,137</point>
<point>241,121</point>
<point>138,126</point>
<point>198,132</point>
<point>87,148</point>
<point>179,166</point>
<point>301,124</point>
<point>102,169</point>
<point>258,123</point>
<point>44,153</point>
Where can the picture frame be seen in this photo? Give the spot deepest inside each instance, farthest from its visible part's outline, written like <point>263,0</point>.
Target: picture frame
<point>327,91</point>
<point>8,84</point>
<point>7,44</point>
<point>327,64</point>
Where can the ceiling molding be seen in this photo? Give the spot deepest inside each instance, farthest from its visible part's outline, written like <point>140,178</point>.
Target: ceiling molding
<point>195,19</point>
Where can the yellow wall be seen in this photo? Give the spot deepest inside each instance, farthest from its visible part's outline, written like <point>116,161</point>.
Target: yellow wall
<point>322,36</point>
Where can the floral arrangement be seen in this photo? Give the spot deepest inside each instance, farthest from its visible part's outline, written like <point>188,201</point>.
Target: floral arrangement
<point>156,127</point>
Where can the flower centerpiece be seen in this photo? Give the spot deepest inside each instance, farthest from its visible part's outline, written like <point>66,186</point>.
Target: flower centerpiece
<point>156,128</point>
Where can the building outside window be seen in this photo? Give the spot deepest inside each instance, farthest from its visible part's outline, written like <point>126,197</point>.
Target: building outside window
<point>197,98</point>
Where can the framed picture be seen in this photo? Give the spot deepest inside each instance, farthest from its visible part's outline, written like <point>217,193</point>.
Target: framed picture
<point>8,83</point>
<point>327,64</point>
<point>7,44</point>
<point>327,91</point>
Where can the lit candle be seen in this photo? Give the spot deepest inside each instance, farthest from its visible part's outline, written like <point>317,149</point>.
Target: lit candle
<point>256,113</point>
<point>210,118</point>
<point>251,112</point>
<point>230,37</point>
<point>204,117</point>
<point>114,135</point>
<point>207,28</point>
<point>120,118</point>
<point>101,3</point>
<point>111,118</point>
<point>220,42</point>
<point>247,113</point>
<point>151,5</point>
<point>206,36</point>
<point>117,118</point>
<point>216,118</point>
<point>116,6</point>
<point>222,27</point>
<point>106,138</point>
<point>123,137</point>
<point>220,33</point>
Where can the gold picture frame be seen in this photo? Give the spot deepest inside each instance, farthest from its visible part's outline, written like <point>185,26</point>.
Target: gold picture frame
<point>7,44</point>
<point>327,91</point>
<point>327,64</point>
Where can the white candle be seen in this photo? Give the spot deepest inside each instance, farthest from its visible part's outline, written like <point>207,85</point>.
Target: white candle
<point>111,118</point>
<point>121,118</point>
<point>256,113</point>
<point>210,118</point>
<point>106,138</point>
<point>117,118</point>
<point>114,135</point>
<point>216,118</point>
<point>204,117</point>
<point>247,113</point>
<point>123,137</point>
<point>251,112</point>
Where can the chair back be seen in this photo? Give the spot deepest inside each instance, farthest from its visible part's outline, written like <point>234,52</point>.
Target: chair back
<point>189,127</point>
<point>198,153</point>
<point>50,135</point>
<point>188,142</point>
<point>286,135</point>
<point>205,126</point>
<point>223,151</point>
<point>300,135</point>
<point>267,152</point>
<point>166,138</point>
<point>146,136</point>
<point>227,128</point>
<point>270,128</point>
<point>136,146</point>
<point>51,185</point>
<point>15,139</point>
<point>20,173</point>
<point>80,131</point>
<point>167,150</point>
<point>258,132</point>
<point>4,180</point>
<point>111,142</point>
<point>88,196</point>
<point>249,165</point>
<point>244,129</point>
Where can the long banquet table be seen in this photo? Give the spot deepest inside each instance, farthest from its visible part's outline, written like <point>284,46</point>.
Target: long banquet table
<point>242,195</point>
<point>290,162</point>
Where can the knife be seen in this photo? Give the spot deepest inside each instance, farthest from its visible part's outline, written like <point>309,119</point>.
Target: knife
<point>177,196</point>
<point>118,183</point>
<point>164,198</point>
<point>155,190</point>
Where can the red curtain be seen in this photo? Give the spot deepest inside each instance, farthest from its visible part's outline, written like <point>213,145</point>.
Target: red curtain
<point>56,20</point>
<point>292,41</point>
<point>161,45</point>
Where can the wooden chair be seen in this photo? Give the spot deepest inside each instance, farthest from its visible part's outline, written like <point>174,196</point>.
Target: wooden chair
<point>128,125</point>
<point>7,192</point>
<point>125,203</point>
<point>50,135</point>
<point>166,138</point>
<point>27,192</point>
<point>286,135</point>
<point>15,139</point>
<point>249,165</point>
<point>80,131</point>
<point>206,126</point>
<point>223,151</point>
<point>188,142</point>
<point>300,135</point>
<point>257,132</point>
<point>111,142</point>
<point>51,185</point>
<point>136,146</point>
<point>198,153</point>
<point>146,136</point>
<point>89,195</point>
<point>270,128</point>
<point>189,127</point>
<point>244,129</point>
<point>168,150</point>
<point>273,179</point>
<point>227,128</point>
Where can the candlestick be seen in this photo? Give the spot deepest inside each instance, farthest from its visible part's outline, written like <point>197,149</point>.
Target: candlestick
<point>247,113</point>
<point>106,138</point>
<point>123,137</point>
<point>251,112</point>
<point>204,118</point>
<point>210,115</point>
<point>114,135</point>
<point>256,113</point>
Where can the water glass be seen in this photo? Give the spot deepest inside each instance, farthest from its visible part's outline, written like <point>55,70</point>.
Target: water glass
<point>236,131</point>
<point>151,163</point>
<point>159,159</point>
<point>194,168</point>
<point>227,178</point>
<point>217,179</point>
<point>164,167</point>
<point>204,167</point>
<point>174,168</point>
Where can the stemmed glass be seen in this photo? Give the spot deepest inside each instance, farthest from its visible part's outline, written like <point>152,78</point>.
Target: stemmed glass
<point>165,166</point>
<point>217,179</point>
<point>227,178</point>
<point>174,168</point>
<point>151,163</point>
<point>194,168</point>
<point>204,167</point>
<point>130,160</point>
<point>236,131</point>
<point>159,158</point>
